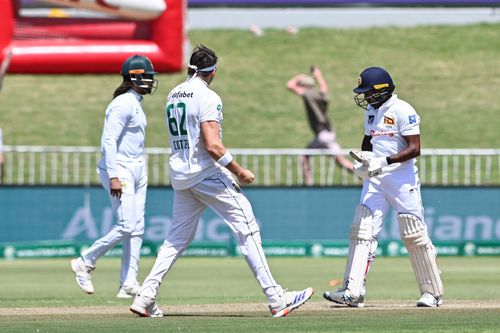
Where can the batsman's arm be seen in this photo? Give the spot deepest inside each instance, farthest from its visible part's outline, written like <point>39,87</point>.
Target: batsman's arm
<point>210,133</point>
<point>412,150</point>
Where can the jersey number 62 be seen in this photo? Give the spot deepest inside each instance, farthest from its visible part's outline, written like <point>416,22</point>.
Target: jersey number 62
<point>177,127</point>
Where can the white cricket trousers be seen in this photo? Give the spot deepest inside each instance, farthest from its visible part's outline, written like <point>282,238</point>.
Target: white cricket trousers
<point>129,211</point>
<point>224,197</point>
<point>399,189</point>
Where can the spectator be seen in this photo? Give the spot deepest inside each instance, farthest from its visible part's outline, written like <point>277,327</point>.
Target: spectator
<point>316,105</point>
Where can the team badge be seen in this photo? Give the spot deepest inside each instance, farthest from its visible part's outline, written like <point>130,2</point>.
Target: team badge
<point>388,120</point>
<point>371,119</point>
<point>219,107</point>
<point>412,119</point>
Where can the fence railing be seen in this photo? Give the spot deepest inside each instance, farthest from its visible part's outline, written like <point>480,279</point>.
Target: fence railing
<point>47,165</point>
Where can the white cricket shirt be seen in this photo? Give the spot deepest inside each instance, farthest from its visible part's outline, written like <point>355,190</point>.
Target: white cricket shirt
<point>124,132</point>
<point>387,125</point>
<point>188,105</point>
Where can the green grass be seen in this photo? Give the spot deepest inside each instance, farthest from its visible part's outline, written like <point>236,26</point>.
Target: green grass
<point>50,284</point>
<point>447,73</point>
<point>338,321</point>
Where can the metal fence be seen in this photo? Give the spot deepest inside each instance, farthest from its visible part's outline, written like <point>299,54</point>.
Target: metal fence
<point>42,165</point>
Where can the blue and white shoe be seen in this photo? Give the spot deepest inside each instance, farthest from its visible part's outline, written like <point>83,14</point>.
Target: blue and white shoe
<point>83,275</point>
<point>290,301</point>
<point>343,296</point>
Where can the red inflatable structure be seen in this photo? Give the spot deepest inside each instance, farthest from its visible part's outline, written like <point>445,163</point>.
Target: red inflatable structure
<point>48,45</point>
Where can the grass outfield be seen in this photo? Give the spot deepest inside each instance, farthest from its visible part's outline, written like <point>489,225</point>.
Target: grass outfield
<point>448,74</point>
<point>220,295</point>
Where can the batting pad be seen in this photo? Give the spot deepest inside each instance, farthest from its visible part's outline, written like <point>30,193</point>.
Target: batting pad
<point>359,248</point>
<point>422,254</point>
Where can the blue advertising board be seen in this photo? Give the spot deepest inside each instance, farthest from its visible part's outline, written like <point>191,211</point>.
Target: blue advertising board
<point>453,214</point>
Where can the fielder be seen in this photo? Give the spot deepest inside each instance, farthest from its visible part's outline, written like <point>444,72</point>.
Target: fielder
<point>387,165</point>
<point>200,171</point>
<point>123,174</point>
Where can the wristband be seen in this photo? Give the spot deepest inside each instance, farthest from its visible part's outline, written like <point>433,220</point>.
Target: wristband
<point>225,159</point>
<point>388,160</point>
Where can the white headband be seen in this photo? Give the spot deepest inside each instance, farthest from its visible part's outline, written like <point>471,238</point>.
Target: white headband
<point>206,69</point>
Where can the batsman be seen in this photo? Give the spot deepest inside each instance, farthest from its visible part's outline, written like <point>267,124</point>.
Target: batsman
<point>390,145</point>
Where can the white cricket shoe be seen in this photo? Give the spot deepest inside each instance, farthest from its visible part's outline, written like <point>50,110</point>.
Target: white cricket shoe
<point>83,275</point>
<point>129,290</point>
<point>343,296</point>
<point>290,301</point>
<point>429,300</point>
<point>145,307</point>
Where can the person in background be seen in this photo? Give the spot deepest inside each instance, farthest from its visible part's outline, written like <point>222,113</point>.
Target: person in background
<point>314,93</point>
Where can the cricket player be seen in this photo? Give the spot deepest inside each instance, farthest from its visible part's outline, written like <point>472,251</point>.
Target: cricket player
<point>387,164</point>
<point>200,171</point>
<point>316,100</point>
<point>123,174</point>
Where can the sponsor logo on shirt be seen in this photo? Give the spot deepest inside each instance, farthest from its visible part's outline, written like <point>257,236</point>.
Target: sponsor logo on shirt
<point>389,120</point>
<point>179,94</point>
<point>381,133</point>
<point>412,119</point>
<point>371,119</point>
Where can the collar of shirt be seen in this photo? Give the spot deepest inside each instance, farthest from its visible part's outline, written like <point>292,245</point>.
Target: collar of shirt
<point>384,107</point>
<point>201,80</point>
<point>137,95</point>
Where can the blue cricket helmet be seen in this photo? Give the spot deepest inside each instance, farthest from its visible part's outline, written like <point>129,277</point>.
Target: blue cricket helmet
<point>377,86</point>
<point>374,78</point>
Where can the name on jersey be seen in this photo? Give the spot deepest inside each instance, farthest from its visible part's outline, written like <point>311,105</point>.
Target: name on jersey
<point>179,94</point>
<point>180,144</point>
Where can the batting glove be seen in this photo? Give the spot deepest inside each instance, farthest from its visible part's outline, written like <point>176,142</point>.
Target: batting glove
<point>376,165</point>
<point>360,170</point>
<point>363,157</point>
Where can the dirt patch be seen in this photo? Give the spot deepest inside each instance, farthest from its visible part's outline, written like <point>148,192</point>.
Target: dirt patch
<point>241,308</point>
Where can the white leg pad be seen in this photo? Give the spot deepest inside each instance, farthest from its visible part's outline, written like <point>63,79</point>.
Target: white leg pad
<point>360,238</point>
<point>422,254</point>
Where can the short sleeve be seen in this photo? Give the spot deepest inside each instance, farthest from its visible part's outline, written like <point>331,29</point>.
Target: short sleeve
<point>409,122</point>
<point>211,109</point>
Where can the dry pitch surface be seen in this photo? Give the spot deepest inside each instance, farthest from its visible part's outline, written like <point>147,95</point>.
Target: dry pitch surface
<point>245,309</point>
